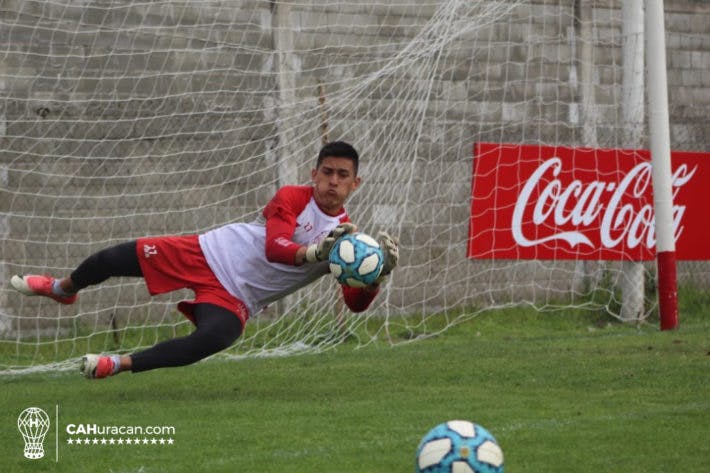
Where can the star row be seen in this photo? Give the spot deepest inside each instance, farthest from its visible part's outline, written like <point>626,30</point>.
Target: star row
<point>120,441</point>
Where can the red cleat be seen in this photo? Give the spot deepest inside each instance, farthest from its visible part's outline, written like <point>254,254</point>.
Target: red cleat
<point>34,285</point>
<point>96,366</point>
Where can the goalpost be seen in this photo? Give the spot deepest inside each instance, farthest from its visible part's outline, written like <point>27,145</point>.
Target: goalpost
<point>124,119</point>
<point>661,156</point>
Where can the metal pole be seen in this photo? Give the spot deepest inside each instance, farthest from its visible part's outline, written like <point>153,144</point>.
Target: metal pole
<point>659,129</point>
<point>633,87</point>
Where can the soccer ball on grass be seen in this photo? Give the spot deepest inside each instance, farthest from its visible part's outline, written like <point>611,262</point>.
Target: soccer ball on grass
<point>356,260</point>
<point>459,446</point>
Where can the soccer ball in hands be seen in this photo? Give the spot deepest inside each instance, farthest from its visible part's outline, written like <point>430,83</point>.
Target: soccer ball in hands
<point>356,260</point>
<point>459,446</point>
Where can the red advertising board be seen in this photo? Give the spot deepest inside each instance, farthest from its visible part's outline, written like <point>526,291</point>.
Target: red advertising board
<point>554,202</point>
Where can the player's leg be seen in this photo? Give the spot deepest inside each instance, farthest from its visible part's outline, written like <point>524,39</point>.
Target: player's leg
<point>116,261</point>
<point>216,329</point>
<point>119,260</point>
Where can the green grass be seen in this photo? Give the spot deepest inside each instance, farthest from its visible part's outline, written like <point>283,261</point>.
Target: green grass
<point>561,392</point>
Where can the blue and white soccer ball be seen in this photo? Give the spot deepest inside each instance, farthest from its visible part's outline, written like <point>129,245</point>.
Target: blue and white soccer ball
<point>459,446</point>
<point>356,260</point>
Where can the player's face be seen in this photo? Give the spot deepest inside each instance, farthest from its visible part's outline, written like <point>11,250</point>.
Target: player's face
<point>333,181</point>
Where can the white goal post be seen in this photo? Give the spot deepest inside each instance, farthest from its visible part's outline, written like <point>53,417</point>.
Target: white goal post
<point>660,144</point>
<point>122,119</point>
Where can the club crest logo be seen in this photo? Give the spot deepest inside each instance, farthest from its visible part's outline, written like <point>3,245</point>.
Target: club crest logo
<point>33,424</point>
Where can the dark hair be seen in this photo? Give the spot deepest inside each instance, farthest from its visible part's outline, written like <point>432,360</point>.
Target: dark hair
<point>338,149</point>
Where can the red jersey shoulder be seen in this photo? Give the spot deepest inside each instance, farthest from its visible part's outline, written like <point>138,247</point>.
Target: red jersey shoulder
<point>292,199</point>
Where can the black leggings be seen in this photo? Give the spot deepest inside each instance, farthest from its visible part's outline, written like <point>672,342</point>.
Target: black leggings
<point>119,260</point>
<point>216,328</point>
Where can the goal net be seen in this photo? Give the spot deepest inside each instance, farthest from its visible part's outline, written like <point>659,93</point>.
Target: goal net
<point>123,119</point>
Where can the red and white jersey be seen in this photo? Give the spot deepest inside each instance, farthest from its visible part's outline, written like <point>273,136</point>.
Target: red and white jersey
<point>255,262</point>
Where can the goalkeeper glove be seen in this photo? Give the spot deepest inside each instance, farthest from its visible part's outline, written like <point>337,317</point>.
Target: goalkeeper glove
<point>390,249</point>
<point>320,251</point>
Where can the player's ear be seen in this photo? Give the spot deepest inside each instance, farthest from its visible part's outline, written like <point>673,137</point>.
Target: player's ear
<point>314,172</point>
<point>356,182</point>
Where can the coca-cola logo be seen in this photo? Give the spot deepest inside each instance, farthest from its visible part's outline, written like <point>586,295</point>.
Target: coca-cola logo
<point>548,202</point>
<point>557,202</point>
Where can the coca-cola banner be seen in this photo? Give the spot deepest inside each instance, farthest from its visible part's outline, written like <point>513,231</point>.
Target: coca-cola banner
<point>553,202</point>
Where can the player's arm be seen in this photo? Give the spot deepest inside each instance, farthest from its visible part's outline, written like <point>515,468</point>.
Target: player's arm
<point>280,248</point>
<point>359,298</point>
<point>280,214</point>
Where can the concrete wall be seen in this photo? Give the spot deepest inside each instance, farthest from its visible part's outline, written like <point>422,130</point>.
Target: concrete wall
<point>153,119</point>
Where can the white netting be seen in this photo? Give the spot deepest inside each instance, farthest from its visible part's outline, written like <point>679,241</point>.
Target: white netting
<point>123,119</point>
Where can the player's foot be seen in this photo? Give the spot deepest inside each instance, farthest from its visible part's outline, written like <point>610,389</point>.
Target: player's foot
<point>96,366</point>
<point>35,285</point>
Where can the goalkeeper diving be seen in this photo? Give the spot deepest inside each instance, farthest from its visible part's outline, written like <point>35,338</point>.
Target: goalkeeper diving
<point>235,270</point>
